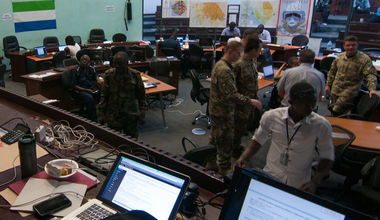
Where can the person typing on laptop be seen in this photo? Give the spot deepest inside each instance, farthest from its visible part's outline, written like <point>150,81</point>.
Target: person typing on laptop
<point>295,132</point>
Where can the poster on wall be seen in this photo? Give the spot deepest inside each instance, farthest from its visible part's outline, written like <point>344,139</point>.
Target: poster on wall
<point>208,13</point>
<point>34,15</point>
<point>253,13</point>
<point>293,17</point>
<point>175,8</point>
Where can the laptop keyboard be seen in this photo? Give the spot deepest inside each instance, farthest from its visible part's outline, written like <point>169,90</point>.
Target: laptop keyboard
<point>94,212</point>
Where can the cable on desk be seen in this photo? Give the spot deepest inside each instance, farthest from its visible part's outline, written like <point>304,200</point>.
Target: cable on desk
<point>14,171</point>
<point>12,119</point>
<point>67,137</point>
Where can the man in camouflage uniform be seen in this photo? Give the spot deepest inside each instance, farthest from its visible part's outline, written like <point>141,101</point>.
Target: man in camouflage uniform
<point>246,82</point>
<point>223,97</point>
<point>346,75</point>
<point>123,103</point>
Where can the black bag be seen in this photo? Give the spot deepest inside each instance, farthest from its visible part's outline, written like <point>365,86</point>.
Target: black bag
<point>275,100</point>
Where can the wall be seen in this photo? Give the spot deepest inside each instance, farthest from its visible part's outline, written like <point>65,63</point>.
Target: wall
<point>78,17</point>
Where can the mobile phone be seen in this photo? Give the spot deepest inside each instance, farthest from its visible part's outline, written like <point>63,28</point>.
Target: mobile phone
<point>52,205</point>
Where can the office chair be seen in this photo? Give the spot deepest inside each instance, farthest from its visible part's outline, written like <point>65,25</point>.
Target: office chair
<point>168,51</point>
<point>137,52</point>
<point>82,52</point>
<point>10,44</point>
<point>51,41</point>
<point>117,49</point>
<point>370,188</point>
<point>77,39</point>
<point>96,36</point>
<point>199,60</point>
<point>2,72</point>
<point>58,59</point>
<point>119,37</point>
<point>159,68</point>
<point>70,62</point>
<point>205,42</point>
<point>198,155</point>
<point>325,65</point>
<point>149,52</point>
<point>73,94</point>
<point>300,40</point>
<point>200,94</point>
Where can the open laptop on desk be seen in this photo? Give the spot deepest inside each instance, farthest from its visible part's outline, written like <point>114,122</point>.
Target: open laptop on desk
<point>254,196</point>
<point>41,52</point>
<point>136,184</point>
<point>268,72</point>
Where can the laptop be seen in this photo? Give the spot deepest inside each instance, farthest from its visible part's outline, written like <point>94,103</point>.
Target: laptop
<point>41,52</point>
<point>62,47</point>
<point>136,184</point>
<point>253,195</point>
<point>268,72</point>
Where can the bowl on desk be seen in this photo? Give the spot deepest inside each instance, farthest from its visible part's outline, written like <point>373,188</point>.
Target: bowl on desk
<point>61,168</point>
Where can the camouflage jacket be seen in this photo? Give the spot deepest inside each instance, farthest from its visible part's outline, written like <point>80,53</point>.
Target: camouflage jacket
<point>223,92</point>
<point>346,74</point>
<point>246,77</point>
<point>122,95</point>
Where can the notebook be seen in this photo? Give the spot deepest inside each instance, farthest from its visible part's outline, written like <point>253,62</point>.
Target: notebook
<point>268,72</point>
<point>136,184</point>
<point>41,52</point>
<point>62,47</point>
<point>253,195</point>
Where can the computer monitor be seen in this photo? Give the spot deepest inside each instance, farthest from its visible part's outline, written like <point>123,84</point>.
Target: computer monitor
<point>255,196</point>
<point>62,47</point>
<point>180,40</point>
<point>40,51</point>
<point>268,71</point>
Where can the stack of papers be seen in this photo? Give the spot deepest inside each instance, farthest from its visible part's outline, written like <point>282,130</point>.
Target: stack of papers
<point>41,75</point>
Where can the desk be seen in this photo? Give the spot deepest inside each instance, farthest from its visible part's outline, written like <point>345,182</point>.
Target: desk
<point>320,58</point>
<point>262,83</point>
<point>282,52</point>
<point>367,137</point>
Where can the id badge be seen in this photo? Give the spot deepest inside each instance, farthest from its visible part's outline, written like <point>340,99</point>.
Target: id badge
<point>284,159</point>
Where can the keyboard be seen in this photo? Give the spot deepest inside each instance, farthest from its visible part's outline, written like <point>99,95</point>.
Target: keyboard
<point>206,47</point>
<point>43,56</point>
<point>94,212</point>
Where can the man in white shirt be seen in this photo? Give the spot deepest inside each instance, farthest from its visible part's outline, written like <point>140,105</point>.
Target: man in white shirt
<point>264,35</point>
<point>296,132</point>
<point>232,30</point>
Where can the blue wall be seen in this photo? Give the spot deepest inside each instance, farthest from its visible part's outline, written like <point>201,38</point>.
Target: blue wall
<point>78,17</point>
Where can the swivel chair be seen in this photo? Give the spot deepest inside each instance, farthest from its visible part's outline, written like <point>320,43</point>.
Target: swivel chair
<point>119,37</point>
<point>199,60</point>
<point>58,59</point>
<point>325,65</point>
<point>70,62</point>
<point>73,94</point>
<point>10,44</point>
<point>96,36</point>
<point>117,49</point>
<point>77,39</point>
<point>51,41</point>
<point>168,51</point>
<point>82,52</point>
<point>200,94</point>
<point>2,72</point>
<point>300,40</point>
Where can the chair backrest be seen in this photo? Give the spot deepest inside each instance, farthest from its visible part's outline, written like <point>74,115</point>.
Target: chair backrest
<point>2,72</point>
<point>58,58</point>
<point>77,39</point>
<point>66,80</point>
<point>117,49</point>
<point>342,139</point>
<point>160,69</point>
<point>10,43</point>
<point>325,65</point>
<point>70,62</point>
<point>197,92</point>
<point>300,40</point>
<point>82,52</point>
<point>97,36</point>
<point>139,53</point>
<point>366,105</point>
<point>195,50</point>
<point>168,51</point>
<point>119,37</point>
<point>205,42</point>
<point>51,41</point>
<point>149,52</point>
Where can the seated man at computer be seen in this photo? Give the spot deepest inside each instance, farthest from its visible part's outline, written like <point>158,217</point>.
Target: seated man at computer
<point>305,72</point>
<point>82,79</point>
<point>264,35</point>
<point>295,132</point>
<point>172,43</point>
<point>231,30</point>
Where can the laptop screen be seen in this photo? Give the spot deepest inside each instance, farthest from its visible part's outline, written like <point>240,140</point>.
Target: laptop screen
<point>254,196</point>
<point>39,51</point>
<point>180,40</point>
<point>268,71</point>
<point>135,184</point>
<point>62,47</point>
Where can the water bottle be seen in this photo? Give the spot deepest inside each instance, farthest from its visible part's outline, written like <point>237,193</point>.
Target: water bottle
<point>329,45</point>
<point>28,155</point>
<point>187,38</point>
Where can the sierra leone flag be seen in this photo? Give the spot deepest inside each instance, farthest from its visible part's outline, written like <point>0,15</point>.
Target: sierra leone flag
<point>33,15</point>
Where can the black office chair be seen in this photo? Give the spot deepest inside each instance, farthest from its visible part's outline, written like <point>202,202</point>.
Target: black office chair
<point>300,40</point>
<point>325,65</point>
<point>70,62</point>
<point>137,53</point>
<point>77,39</point>
<point>159,68</point>
<point>2,72</point>
<point>168,51</point>
<point>58,59</point>
<point>199,60</point>
<point>200,94</point>
<point>149,52</point>
<point>370,188</point>
<point>51,41</point>
<point>96,36</point>
<point>119,37</point>
<point>82,52</point>
<point>10,44</point>
<point>73,94</point>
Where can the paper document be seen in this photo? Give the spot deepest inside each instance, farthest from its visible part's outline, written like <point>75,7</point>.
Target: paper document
<point>42,75</point>
<point>36,188</point>
<point>340,135</point>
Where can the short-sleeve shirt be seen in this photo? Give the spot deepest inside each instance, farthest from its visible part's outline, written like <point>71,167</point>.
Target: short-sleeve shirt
<point>83,77</point>
<point>314,131</point>
<point>228,32</point>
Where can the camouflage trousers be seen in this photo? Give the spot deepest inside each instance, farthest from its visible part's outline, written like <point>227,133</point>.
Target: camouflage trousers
<point>126,124</point>
<point>242,118</point>
<point>221,136</point>
<point>342,104</point>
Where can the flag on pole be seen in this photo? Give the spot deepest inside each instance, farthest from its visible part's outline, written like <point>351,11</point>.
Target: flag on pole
<point>33,15</point>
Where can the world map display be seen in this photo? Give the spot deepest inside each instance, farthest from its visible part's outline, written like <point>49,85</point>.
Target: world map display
<point>175,8</point>
<point>206,13</point>
<point>253,13</point>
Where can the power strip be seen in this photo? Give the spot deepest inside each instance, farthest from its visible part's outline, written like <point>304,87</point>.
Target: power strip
<point>92,165</point>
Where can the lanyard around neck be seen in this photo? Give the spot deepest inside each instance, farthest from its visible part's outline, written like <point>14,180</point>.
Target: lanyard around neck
<point>287,133</point>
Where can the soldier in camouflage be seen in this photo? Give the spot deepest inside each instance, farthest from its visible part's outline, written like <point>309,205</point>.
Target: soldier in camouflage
<point>223,97</point>
<point>122,103</point>
<point>346,75</point>
<point>246,82</point>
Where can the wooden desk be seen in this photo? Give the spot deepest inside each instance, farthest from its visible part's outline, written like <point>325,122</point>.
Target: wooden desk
<point>282,52</point>
<point>367,137</point>
<point>320,58</point>
<point>262,82</point>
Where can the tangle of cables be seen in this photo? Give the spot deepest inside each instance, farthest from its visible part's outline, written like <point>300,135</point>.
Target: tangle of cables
<point>66,137</point>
